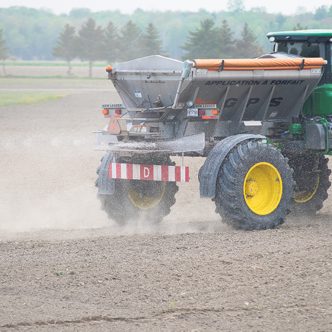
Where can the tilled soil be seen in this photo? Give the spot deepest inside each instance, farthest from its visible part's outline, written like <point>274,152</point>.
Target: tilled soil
<point>64,266</point>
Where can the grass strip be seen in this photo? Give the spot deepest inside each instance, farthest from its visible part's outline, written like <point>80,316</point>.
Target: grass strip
<point>27,98</point>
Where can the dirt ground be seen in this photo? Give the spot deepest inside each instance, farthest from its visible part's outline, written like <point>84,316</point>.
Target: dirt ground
<point>64,266</point>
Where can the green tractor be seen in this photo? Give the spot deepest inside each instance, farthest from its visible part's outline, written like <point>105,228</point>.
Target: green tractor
<point>311,171</point>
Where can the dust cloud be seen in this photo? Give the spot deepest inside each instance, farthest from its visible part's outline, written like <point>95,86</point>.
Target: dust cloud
<point>77,211</point>
<point>47,189</point>
<point>71,209</point>
<point>48,171</point>
<point>50,187</point>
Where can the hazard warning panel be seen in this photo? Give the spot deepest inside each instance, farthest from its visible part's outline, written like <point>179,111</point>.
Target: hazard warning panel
<point>142,172</point>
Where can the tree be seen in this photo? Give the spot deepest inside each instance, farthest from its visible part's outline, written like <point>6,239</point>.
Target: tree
<point>66,47</point>
<point>129,41</point>
<point>226,47</point>
<point>203,42</point>
<point>90,43</point>
<point>247,46</point>
<point>151,43</point>
<point>321,13</point>
<point>299,26</point>
<point>280,20</point>
<point>3,52</point>
<point>80,13</point>
<point>235,5</point>
<point>111,43</point>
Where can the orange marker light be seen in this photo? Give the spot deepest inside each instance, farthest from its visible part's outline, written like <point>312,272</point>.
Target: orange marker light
<point>105,112</point>
<point>209,117</point>
<point>215,112</point>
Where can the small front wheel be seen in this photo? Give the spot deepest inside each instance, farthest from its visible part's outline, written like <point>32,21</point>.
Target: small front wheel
<point>135,199</point>
<point>254,187</point>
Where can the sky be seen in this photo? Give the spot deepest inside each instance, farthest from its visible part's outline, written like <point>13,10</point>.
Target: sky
<point>128,6</point>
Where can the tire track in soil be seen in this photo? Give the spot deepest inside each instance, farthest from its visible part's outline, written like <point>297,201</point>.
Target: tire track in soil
<point>161,314</point>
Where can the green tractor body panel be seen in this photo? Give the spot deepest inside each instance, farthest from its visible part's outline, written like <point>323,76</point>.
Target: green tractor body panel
<point>320,102</point>
<point>296,129</point>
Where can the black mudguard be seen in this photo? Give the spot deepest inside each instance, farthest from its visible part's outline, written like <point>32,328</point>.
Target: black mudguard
<point>209,171</point>
<point>106,186</point>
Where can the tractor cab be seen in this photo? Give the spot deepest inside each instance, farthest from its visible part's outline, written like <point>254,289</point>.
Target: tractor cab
<point>312,44</point>
<point>306,44</point>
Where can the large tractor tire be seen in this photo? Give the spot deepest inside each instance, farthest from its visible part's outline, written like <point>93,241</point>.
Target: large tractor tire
<point>312,178</point>
<point>134,200</point>
<point>254,187</point>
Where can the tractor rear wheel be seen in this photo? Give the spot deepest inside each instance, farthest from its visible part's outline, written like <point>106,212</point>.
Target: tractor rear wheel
<point>312,178</point>
<point>254,187</point>
<point>134,199</point>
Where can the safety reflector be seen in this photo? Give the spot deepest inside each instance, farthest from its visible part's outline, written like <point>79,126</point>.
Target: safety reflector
<point>142,172</point>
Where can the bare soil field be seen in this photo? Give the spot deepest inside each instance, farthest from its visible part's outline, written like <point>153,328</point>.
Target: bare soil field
<point>65,267</point>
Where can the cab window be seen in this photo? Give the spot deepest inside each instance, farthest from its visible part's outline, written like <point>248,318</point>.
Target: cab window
<point>309,50</point>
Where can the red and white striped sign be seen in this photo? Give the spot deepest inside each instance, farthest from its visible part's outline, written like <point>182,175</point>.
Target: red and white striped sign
<point>163,173</point>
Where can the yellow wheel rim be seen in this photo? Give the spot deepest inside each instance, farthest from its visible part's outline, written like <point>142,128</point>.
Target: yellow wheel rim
<point>262,188</point>
<point>302,197</point>
<point>144,202</point>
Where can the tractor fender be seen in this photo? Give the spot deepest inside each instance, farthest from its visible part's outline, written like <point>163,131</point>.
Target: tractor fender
<point>106,186</point>
<point>209,171</point>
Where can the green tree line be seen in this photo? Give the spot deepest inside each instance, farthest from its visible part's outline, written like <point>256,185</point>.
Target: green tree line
<point>92,43</point>
<point>31,34</point>
<point>211,41</point>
